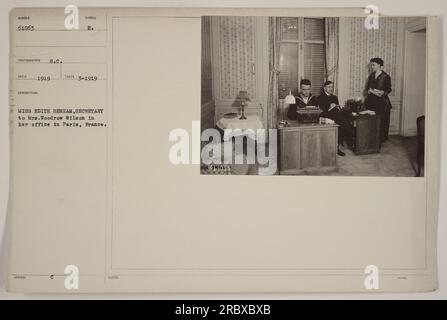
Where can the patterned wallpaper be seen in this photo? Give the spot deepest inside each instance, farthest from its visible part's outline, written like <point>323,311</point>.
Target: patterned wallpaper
<point>367,44</point>
<point>207,93</point>
<point>238,56</point>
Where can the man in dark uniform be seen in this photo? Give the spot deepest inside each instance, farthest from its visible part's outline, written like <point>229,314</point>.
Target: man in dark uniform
<point>303,99</point>
<point>377,90</point>
<point>328,102</point>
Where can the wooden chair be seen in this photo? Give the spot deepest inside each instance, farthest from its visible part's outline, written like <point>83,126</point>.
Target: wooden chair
<point>420,123</point>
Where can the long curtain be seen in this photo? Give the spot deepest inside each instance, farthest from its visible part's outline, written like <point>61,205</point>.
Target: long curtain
<point>331,50</point>
<point>273,100</point>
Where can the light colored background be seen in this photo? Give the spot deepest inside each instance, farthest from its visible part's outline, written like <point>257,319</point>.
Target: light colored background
<point>396,8</point>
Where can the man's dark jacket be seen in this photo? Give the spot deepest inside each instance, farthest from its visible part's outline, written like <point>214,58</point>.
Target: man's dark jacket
<point>324,102</point>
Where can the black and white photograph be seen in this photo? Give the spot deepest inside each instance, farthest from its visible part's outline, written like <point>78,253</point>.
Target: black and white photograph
<point>119,123</point>
<point>342,96</point>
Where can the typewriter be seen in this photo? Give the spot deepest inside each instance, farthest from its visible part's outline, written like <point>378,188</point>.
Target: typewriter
<point>309,114</point>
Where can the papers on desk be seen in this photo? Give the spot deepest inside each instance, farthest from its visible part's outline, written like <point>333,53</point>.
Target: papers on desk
<point>367,112</point>
<point>326,121</point>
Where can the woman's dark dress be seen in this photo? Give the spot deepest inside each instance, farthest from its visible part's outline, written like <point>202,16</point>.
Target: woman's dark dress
<point>381,105</point>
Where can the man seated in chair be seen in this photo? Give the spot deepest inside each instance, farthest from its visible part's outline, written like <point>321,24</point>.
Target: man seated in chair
<point>328,103</point>
<point>304,99</point>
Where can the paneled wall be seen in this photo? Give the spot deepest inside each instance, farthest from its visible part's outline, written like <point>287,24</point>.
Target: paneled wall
<point>207,103</point>
<point>358,45</point>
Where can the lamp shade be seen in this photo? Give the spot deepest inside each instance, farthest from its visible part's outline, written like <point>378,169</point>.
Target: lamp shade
<point>290,99</point>
<point>243,96</point>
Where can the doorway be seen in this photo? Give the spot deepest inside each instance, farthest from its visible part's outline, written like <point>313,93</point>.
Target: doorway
<point>413,102</point>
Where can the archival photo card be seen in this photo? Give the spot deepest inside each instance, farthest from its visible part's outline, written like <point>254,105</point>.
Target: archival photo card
<point>122,119</point>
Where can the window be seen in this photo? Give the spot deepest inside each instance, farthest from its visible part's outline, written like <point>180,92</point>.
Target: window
<point>301,54</point>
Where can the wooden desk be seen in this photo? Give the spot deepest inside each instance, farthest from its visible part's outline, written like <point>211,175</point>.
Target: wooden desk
<point>367,134</point>
<point>306,148</point>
